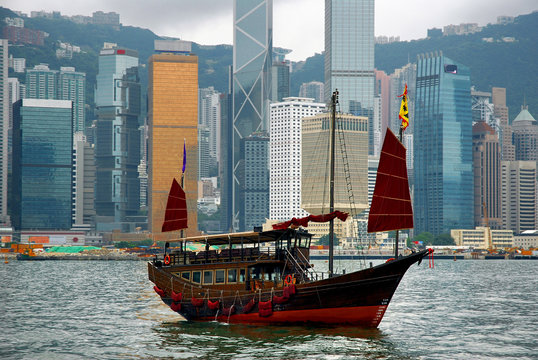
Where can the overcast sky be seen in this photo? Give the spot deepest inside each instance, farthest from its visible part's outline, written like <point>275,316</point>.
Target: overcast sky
<point>297,24</point>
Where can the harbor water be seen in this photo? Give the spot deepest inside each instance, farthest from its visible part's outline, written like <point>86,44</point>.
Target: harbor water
<point>472,309</point>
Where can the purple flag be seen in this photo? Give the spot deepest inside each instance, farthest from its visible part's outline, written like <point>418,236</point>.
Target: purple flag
<point>184,157</point>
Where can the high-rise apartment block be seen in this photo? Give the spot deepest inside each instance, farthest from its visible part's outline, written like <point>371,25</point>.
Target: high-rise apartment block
<point>117,141</point>
<point>172,122</point>
<point>487,176</point>
<point>285,155</point>
<point>209,118</point>
<point>65,84</point>
<point>42,164</point>
<point>443,191</point>
<point>252,60</point>
<point>349,57</point>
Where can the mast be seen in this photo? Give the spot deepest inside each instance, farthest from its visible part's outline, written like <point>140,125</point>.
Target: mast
<point>334,101</point>
<point>397,231</point>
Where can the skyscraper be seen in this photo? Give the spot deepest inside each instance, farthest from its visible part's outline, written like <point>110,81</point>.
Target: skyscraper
<point>500,111</point>
<point>66,84</point>
<point>518,196</point>
<point>349,57</point>
<point>487,176</point>
<point>525,135</point>
<point>83,181</point>
<point>172,119</point>
<point>42,164</point>
<point>209,118</point>
<point>285,156</point>
<point>280,72</point>
<point>254,175</point>
<point>117,143</point>
<point>252,60</point>
<point>4,128</point>
<point>443,192</point>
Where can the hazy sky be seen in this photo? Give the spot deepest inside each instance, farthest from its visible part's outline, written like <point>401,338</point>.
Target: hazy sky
<point>297,24</point>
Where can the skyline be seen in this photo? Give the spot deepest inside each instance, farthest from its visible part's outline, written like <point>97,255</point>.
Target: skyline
<point>210,22</point>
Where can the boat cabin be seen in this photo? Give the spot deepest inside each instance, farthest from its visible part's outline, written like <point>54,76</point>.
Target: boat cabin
<point>244,261</point>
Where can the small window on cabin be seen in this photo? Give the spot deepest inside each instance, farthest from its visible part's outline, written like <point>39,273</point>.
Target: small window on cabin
<point>242,275</point>
<point>186,275</point>
<point>255,273</point>
<point>196,276</point>
<point>232,275</point>
<point>208,277</point>
<point>219,276</point>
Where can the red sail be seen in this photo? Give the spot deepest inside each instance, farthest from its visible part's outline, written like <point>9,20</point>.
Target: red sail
<point>391,204</point>
<point>175,217</point>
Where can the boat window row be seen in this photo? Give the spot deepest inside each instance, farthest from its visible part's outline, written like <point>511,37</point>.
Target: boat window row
<point>229,276</point>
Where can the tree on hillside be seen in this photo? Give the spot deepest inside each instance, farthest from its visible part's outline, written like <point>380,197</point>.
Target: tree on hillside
<point>443,239</point>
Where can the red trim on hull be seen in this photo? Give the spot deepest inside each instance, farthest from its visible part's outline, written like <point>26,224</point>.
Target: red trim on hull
<point>367,316</point>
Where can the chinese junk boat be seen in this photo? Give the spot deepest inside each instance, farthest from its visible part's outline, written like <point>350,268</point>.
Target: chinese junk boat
<point>266,276</point>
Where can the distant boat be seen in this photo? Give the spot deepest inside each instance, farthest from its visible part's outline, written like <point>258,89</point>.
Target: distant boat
<point>266,276</point>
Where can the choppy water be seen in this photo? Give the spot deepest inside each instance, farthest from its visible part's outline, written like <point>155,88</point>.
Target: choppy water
<point>472,309</point>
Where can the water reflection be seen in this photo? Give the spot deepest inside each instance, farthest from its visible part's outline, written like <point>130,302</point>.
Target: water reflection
<point>273,342</point>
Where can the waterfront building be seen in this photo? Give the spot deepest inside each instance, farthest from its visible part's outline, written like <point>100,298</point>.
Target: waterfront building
<point>117,140</point>
<point>351,163</point>
<point>65,84</point>
<point>482,237</point>
<point>443,181</point>
<point>500,112</point>
<point>252,60</point>
<point>349,57</point>
<point>83,182</point>
<point>313,89</point>
<point>4,131</point>
<point>172,121</point>
<point>285,156</point>
<point>254,175</point>
<point>487,176</point>
<point>525,135</point>
<point>518,195</point>
<point>42,164</point>
<point>527,239</point>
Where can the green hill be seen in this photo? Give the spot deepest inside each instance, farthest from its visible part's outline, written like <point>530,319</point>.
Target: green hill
<point>499,63</point>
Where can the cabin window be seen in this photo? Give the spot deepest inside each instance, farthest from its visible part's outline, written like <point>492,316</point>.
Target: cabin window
<point>186,275</point>
<point>196,277</point>
<point>255,273</point>
<point>219,276</point>
<point>232,275</point>
<point>242,275</point>
<point>208,277</point>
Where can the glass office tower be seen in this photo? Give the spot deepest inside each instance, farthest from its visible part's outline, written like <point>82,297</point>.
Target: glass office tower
<point>42,164</point>
<point>443,197</point>
<point>349,57</point>
<point>252,60</point>
<point>117,142</point>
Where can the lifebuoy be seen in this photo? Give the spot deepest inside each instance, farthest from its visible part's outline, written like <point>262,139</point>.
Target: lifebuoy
<point>288,280</point>
<point>167,259</point>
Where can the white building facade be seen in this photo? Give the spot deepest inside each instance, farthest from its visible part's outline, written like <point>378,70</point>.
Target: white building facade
<point>285,155</point>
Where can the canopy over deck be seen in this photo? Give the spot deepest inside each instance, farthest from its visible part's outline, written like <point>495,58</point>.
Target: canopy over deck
<point>249,237</point>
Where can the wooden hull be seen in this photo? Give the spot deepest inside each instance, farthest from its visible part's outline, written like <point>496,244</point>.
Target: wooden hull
<point>359,298</point>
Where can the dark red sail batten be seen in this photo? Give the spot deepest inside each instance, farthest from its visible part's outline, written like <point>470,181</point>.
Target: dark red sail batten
<point>315,218</point>
<point>175,217</point>
<point>391,203</point>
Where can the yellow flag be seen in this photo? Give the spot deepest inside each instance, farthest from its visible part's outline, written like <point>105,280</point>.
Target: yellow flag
<point>404,111</point>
